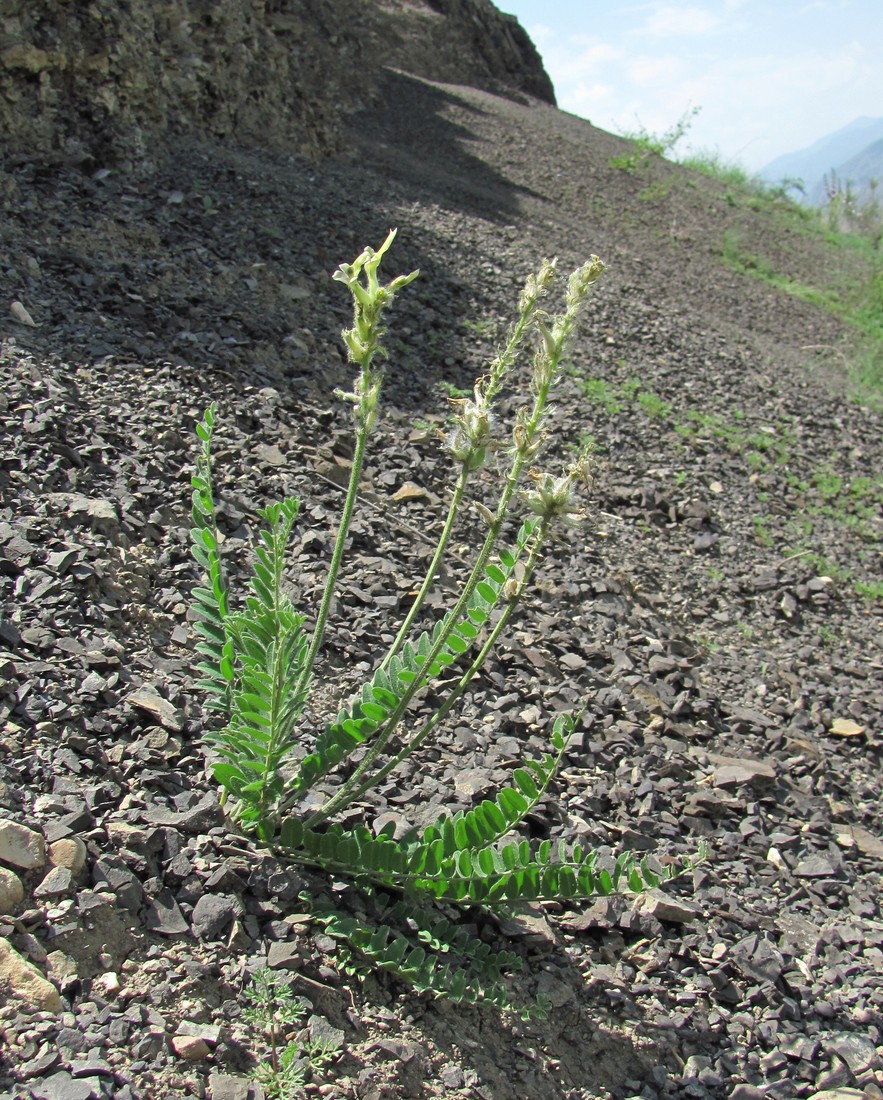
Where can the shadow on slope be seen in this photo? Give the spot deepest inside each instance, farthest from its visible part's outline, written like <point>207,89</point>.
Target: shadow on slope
<point>411,136</point>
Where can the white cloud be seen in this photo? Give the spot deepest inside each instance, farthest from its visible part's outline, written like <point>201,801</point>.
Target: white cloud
<point>586,99</point>
<point>645,71</point>
<point>680,19</point>
<point>576,58</point>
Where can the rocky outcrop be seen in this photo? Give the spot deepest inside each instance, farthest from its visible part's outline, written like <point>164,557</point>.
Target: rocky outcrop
<point>106,81</point>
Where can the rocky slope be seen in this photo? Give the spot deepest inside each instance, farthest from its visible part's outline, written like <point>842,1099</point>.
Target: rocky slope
<point>108,82</point>
<point>717,614</point>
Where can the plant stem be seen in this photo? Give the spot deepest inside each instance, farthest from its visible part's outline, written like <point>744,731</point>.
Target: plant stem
<point>336,558</point>
<point>486,390</point>
<point>528,437</point>
<point>456,500</point>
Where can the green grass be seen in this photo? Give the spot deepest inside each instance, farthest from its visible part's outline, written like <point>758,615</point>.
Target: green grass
<point>454,393</point>
<point>646,144</point>
<point>600,393</point>
<point>870,590</point>
<point>809,503</point>
<point>846,223</point>
<point>653,405</point>
<point>858,300</point>
<point>728,172</point>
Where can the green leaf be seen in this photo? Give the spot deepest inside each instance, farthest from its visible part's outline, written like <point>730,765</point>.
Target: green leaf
<point>374,712</point>
<point>526,783</point>
<point>464,864</point>
<point>494,816</point>
<point>512,804</point>
<point>486,591</point>
<point>650,876</point>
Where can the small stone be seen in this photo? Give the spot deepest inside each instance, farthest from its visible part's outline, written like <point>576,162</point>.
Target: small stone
<point>815,867</point>
<point>529,924</point>
<point>11,890</point>
<point>57,881</point>
<point>164,915</point>
<point>409,491</point>
<point>44,1063</point>
<point>845,727</point>
<point>694,1065</point>
<point>857,1051</point>
<point>213,914</point>
<point>452,1077</point>
<point>321,1031</point>
<point>284,955</point>
<point>224,1086</point>
<point>836,1076</point>
<point>757,958</point>
<point>62,1086</point>
<point>205,815</point>
<point>400,1050</point>
<point>166,713</point>
<point>209,1033</point>
<point>190,1047</point>
<point>91,1065</point>
<point>838,1094</point>
<point>736,773</point>
<point>20,846</point>
<point>472,781</point>
<point>62,968</point>
<point>558,993</point>
<point>26,981</point>
<point>268,454</point>
<point>657,904</point>
<point>68,852</point>
<point>108,983</point>
<point>854,835</point>
<point>17,310</point>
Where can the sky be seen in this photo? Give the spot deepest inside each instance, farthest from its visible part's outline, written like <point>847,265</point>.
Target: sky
<point>768,76</point>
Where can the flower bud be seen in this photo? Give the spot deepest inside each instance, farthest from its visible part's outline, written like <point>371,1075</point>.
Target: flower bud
<point>536,284</point>
<point>471,435</point>
<point>581,282</point>
<point>552,497</point>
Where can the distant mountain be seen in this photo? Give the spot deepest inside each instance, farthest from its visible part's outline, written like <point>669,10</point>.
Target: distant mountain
<point>859,171</point>
<point>854,153</point>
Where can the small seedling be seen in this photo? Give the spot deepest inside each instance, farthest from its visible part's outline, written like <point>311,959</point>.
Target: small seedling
<point>273,1009</point>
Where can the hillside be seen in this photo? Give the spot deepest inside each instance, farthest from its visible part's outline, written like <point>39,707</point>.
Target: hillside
<point>105,84</point>
<point>720,613</point>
